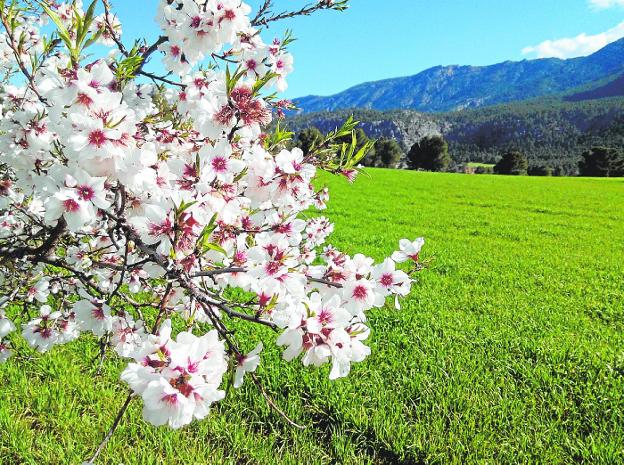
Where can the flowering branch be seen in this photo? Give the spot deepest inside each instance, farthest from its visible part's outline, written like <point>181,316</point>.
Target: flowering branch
<point>127,206</point>
<point>17,51</point>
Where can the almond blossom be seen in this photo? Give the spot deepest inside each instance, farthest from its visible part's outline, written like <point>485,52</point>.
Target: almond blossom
<point>247,364</point>
<point>408,250</point>
<point>180,379</point>
<point>133,203</point>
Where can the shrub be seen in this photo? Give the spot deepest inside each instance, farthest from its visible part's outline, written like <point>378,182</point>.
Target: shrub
<point>512,162</point>
<point>602,162</point>
<point>430,154</point>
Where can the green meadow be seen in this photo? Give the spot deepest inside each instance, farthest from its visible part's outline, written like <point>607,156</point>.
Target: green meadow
<point>510,349</point>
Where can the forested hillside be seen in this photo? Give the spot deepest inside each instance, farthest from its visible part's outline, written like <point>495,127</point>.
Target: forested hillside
<point>549,131</point>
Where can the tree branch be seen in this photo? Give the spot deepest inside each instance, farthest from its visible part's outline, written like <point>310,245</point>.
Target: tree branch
<point>264,16</point>
<point>112,429</point>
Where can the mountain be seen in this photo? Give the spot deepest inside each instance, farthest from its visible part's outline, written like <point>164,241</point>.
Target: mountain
<point>450,88</point>
<point>609,88</point>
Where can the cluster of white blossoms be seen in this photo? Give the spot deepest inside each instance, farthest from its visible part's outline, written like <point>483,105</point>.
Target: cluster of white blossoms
<point>132,202</point>
<point>178,380</point>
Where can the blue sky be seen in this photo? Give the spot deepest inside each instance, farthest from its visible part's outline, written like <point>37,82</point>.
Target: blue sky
<point>378,39</point>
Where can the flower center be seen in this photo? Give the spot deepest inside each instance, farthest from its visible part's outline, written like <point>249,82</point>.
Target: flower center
<point>97,138</point>
<point>219,164</point>
<point>86,192</point>
<point>84,99</point>
<point>71,205</point>
<point>272,267</point>
<point>325,316</point>
<point>386,280</point>
<point>181,384</point>
<point>98,313</point>
<point>171,399</point>
<point>251,64</point>
<point>360,292</point>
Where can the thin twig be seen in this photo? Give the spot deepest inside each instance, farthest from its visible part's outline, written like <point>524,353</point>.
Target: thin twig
<point>112,31</point>
<point>324,281</point>
<point>14,48</point>
<point>234,348</point>
<point>218,271</point>
<point>160,78</point>
<point>112,429</point>
<point>272,403</point>
<point>263,9</point>
<point>263,20</point>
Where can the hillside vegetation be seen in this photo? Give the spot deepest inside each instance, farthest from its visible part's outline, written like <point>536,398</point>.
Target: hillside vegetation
<point>510,349</point>
<point>550,131</point>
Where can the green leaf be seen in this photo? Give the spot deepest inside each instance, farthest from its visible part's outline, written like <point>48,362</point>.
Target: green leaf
<point>127,67</point>
<point>86,23</point>
<point>288,39</point>
<point>278,136</point>
<point>231,81</point>
<point>362,152</point>
<point>260,83</point>
<point>91,40</point>
<point>212,246</point>
<point>62,31</point>
<point>184,206</point>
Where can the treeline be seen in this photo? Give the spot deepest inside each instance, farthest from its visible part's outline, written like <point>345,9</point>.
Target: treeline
<point>548,132</point>
<point>431,153</point>
<point>553,135</point>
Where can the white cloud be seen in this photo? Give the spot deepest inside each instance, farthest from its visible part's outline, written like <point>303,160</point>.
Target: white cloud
<point>602,4</point>
<point>581,45</point>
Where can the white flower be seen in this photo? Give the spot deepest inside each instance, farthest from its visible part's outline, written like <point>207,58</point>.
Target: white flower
<point>219,164</point>
<point>247,364</point>
<point>389,280</point>
<point>40,291</point>
<point>358,296</point>
<point>67,203</point>
<point>5,351</point>
<point>293,339</point>
<point>93,316</point>
<point>127,335</point>
<point>49,329</point>
<point>408,250</point>
<point>6,327</point>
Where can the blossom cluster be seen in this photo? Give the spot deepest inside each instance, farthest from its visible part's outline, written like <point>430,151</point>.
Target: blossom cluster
<point>131,203</point>
<point>178,380</point>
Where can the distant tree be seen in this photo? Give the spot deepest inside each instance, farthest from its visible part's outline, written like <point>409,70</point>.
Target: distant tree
<point>603,162</point>
<point>371,158</point>
<point>513,162</point>
<point>430,153</point>
<point>307,137</point>
<point>388,153</point>
<point>540,170</point>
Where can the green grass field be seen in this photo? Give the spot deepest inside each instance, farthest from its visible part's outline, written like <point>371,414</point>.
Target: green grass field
<point>510,350</point>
